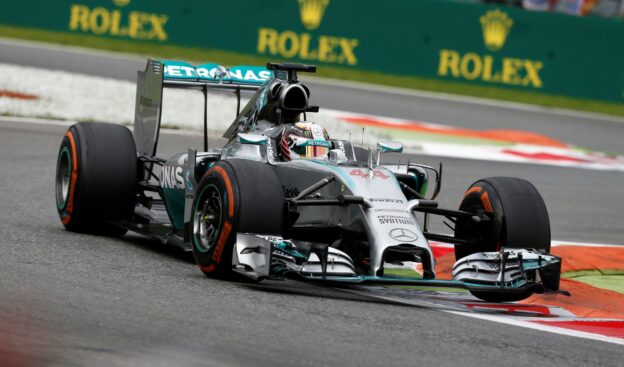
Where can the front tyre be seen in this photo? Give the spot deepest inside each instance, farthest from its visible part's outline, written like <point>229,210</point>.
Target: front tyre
<point>96,178</point>
<point>519,220</point>
<point>233,196</point>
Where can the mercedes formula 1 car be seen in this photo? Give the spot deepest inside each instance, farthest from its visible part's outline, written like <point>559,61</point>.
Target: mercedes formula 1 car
<point>281,199</point>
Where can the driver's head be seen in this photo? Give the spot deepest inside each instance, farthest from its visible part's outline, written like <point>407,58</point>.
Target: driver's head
<point>305,140</point>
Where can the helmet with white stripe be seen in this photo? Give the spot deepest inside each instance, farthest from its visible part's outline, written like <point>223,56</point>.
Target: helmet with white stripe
<point>305,140</point>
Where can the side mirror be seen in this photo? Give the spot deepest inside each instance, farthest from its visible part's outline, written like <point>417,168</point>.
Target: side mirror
<point>389,147</point>
<point>253,139</point>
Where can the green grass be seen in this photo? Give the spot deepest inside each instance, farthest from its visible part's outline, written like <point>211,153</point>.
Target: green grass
<point>438,138</point>
<point>232,58</point>
<point>607,279</point>
<point>401,273</point>
<point>408,273</point>
<point>428,289</point>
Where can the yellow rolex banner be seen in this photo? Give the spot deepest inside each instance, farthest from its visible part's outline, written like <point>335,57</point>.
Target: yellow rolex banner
<point>462,42</point>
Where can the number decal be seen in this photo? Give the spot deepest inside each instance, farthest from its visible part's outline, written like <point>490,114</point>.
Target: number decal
<point>376,173</point>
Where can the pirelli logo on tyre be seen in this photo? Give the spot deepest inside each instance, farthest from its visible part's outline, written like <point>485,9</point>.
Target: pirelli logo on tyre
<point>495,29</point>
<point>312,44</point>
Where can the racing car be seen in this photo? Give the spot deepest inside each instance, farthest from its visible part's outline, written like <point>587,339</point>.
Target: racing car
<point>283,200</point>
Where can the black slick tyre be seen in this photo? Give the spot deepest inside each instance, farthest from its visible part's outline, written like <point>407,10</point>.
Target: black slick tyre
<point>520,220</point>
<point>233,196</point>
<point>96,178</point>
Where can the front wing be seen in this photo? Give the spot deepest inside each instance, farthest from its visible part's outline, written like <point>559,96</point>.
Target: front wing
<point>508,271</point>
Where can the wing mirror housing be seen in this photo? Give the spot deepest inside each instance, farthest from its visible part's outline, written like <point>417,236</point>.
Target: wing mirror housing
<point>389,147</point>
<point>253,139</point>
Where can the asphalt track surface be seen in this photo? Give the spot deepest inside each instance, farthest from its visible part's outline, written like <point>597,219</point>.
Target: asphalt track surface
<point>69,299</point>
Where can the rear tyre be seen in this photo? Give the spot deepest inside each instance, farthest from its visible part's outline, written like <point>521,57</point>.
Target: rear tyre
<point>520,221</point>
<point>233,196</point>
<point>96,178</point>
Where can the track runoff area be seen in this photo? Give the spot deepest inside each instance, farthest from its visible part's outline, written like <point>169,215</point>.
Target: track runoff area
<point>593,273</point>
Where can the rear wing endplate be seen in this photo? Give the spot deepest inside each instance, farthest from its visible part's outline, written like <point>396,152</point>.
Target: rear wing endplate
<point>159,74</point>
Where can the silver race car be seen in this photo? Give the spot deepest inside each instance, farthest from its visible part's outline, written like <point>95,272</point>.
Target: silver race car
<point>281,199</point>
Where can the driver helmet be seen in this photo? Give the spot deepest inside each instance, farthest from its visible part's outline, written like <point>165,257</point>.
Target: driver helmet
<point>305,140</point>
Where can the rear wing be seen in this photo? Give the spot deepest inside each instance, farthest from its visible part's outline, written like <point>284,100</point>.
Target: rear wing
<point>160,74</point>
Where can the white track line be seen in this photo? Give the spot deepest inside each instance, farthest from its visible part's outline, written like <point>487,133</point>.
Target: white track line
<point>553,243</point>
<point>541,327</point>
<point>556,243</point>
